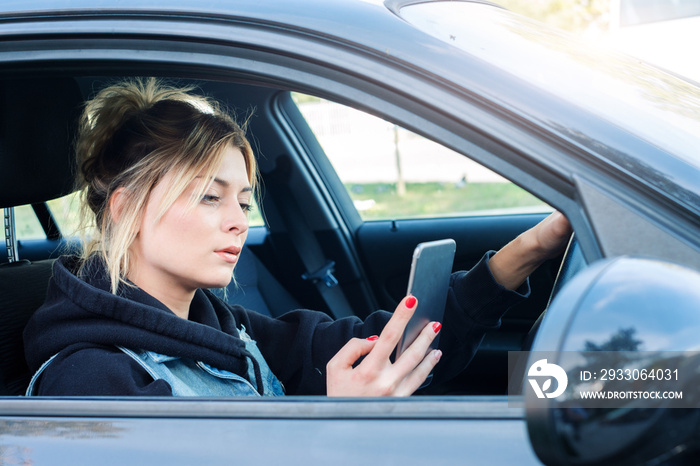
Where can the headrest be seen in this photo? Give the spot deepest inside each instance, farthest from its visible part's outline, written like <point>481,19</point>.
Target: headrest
<point>38,120</point>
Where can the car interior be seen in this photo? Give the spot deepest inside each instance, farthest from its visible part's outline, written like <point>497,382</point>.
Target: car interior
<point>313,236</point>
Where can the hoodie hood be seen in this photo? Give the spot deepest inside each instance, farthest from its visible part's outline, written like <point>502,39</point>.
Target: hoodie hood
<point>80,310</point>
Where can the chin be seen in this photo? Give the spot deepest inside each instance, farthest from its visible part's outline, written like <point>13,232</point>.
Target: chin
<point>218,283</point>
<point>216,277</point>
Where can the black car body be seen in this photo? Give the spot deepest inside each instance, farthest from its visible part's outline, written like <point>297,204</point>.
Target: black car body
<point>609,141</point>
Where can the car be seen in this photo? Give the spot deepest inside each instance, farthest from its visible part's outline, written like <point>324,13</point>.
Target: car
<point>435,100</point>
<point>658,32</point>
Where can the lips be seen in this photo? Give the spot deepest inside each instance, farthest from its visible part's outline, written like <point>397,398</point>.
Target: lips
<point>229,254</point>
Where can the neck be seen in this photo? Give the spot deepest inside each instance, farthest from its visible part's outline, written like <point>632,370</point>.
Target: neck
<point>179,305</point>
<point>173,297</point>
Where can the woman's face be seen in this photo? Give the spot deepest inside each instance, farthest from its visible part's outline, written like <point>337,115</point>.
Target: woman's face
<point>194,248</point>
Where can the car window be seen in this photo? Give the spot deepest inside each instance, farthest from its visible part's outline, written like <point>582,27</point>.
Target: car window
<point>392,173</point>
<point>26,224</point>
<point>65,211</point>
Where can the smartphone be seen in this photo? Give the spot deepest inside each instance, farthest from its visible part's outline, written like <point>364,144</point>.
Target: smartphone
<point>428,282</point>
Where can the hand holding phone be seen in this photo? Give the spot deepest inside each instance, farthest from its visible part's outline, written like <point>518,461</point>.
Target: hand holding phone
<point>428,283</point>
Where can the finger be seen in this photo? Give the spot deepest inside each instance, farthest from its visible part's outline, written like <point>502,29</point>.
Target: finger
<point>415,379</point>
<point>353,350</point>
<point>415,353</point>
<point>393,330</point>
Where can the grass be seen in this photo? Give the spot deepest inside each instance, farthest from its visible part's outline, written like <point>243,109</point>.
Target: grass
<point>439,199</point>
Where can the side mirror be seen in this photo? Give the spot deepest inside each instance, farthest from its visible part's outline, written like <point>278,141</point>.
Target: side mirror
<point>633,316</point>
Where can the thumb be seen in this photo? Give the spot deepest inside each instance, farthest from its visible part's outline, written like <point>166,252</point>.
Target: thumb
<point>351,352</point>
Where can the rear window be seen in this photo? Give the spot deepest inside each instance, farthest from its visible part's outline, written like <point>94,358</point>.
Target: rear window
<point>26,224</point>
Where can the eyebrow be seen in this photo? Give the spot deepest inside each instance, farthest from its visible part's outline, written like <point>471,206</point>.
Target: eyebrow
<point>226,184</point>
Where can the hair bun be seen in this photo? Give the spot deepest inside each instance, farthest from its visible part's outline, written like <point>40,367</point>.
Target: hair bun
<point>100,147</point>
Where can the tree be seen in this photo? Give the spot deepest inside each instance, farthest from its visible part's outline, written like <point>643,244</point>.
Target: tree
<point>572,15</point>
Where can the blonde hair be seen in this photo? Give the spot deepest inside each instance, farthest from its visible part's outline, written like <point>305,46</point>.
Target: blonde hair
<point>131,135</point>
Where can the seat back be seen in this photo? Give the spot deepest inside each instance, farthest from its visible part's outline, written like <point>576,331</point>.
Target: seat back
<point>255,288</point>
<point>22,291</point>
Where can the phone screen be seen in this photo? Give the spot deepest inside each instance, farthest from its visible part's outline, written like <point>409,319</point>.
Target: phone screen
<point>429,282</point>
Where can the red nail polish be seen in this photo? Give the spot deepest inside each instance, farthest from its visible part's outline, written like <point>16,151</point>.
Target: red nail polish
<point>411,302</point>
<point>373,338</point>
<point>436,327</point>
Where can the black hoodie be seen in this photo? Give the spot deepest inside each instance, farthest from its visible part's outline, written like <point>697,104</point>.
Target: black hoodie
<point>83,322</point>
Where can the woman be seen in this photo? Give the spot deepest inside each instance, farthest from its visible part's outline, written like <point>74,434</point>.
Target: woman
<point>168,179</point>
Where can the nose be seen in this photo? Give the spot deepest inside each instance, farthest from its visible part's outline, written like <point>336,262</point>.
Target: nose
<point>236,220</point>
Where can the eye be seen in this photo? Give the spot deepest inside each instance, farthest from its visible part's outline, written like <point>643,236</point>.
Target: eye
<point>247,208</point>
<point>210,199</point>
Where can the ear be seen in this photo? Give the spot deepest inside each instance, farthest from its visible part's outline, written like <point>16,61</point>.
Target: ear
<point>117,201</point>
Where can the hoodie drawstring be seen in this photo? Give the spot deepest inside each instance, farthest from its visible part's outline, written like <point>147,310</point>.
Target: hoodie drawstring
<point>256,370</point>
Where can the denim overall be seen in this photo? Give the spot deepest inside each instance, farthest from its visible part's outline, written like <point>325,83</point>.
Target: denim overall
<point>195,378</point>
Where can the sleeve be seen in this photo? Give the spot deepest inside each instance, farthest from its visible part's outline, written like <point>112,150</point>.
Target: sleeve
<point>475,304</point>
<point>97,371</point>
<point>298,345</point>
